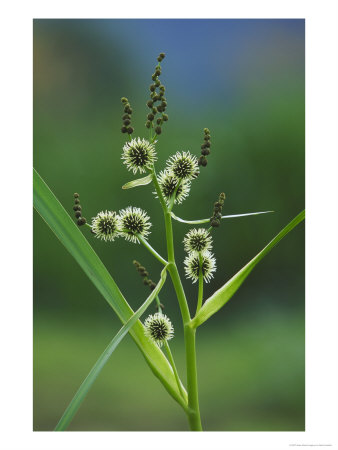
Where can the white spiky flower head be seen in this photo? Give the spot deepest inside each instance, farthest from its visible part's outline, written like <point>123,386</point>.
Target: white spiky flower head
<point>158,328</point>
<point>138,154</point>
<point>183,165</point>
<point>106,225</point>
<point>192,266</point>
<point>134,221</point>
<point>197,240</point>
<point>168,183</point>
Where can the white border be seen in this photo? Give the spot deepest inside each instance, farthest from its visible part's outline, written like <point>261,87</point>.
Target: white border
<point>321,224</point>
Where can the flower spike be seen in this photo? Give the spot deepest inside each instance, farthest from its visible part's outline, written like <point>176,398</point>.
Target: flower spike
<point>183,165</point>
<point>134,221</point>
<point>197,240</point>
<point>106,225</point>
<point>158,328</point>
<point>192,266</point>
<point>138,155</point>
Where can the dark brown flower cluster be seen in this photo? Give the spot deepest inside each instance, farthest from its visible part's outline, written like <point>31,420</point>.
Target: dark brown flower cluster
<point>215,219</point>
<point>205,148</point>
<point>157,103</point>
<point>126,128</point>
<point>142,271</point>
<point>78,210</point>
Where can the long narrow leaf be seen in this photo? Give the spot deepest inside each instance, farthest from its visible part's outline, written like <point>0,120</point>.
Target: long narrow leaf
<point>100,363</point>
<point>71,237</point>
<point>139,182</point>
<point>200,221</point>
<point>223,295</point>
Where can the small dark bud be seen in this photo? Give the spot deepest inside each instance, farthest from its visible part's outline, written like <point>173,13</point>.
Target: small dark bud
<point>141,269</point>
<point>162,55</point>
<point>77,208</point>
<point>215,223</point>
<point>145,282</point>
<point>130,130</point>
<point>165,117</point>
<point>136,263</point>
<point>207,137</point>
<point>124,100</point>
<point>158,72</point>
<point>81,221</point>
<point>205,151</point>
<point>148,124</point>
<point>160,108</point>
<point>78,214</point>
<point>206,131</point>
<point>154,76</point>
<point>159,121</point>
<point>76,195</point>
<point>152,286</point>
<point>124,129</point>
<point>150,103</point>
<point>202,146</point>
<point>222,196</point>
<point>157,83</point>
<point>207,144</point>
<point>202,161</point>
<point>218,204</point>
<point>150,116</point>
<point>126,116</point>
<point>77,201</point>
<point>164,104</point>
<point>158,130</point>
<point>152,87</point>
<point>154,110</point>
<point>145,274</point>
<point>126,122</point>
<point>127,109</point>
<point>162,88</point>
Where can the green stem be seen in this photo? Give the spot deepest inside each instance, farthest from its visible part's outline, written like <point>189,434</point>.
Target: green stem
<point>192,387</point>
<point>200,284</point>
<point>189,333</point>
<point>172,362</point>
<point>150,248</point>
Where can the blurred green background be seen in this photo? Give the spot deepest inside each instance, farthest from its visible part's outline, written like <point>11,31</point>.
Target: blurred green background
<point>244,80</point>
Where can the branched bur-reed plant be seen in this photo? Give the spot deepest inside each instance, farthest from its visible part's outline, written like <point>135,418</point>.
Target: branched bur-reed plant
<point>171,186</point>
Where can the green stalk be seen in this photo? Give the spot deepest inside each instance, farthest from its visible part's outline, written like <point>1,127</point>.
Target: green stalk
<point>150,248</point>
<point>173,365</point>
<point>189,333</point>
<point>193,412</point>
<point>200,284</point>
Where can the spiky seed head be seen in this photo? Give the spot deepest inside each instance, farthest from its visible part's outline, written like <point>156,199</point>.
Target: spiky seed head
<point>183,165</point>
<point>168,183</point>
<point>138,154</point>
<point>134,221</point>
<point>158,328</point>
<point>192,266</point>
<point>197,240</point>
<point>106,225</point>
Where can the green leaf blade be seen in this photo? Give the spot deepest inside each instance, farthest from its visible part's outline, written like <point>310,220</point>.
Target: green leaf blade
<point>53,213</point>
<point>223,295</point>
<point>101,362</point>
<point>139,182</point>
